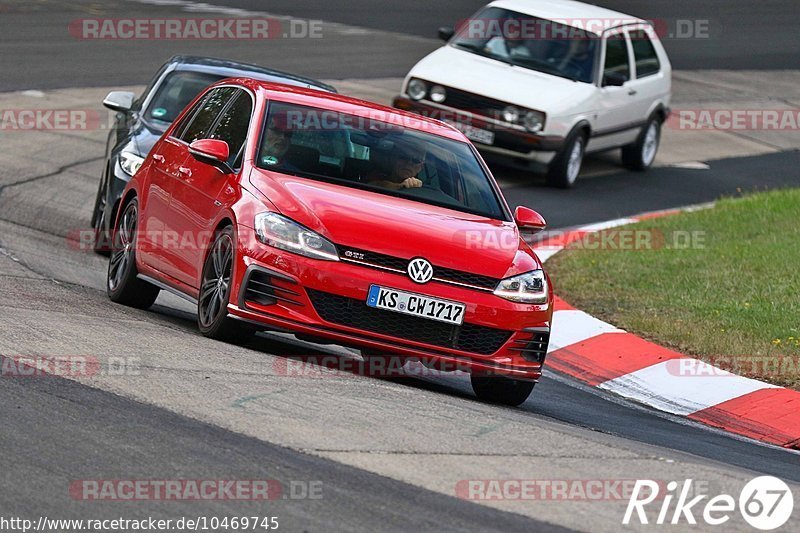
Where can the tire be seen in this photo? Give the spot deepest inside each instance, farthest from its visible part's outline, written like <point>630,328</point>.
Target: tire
<point>501,390</point>
<point>640,155</point>
<point>122,285</point>
<point>100,245</point>
<point>215,292</point>
<point>565,168</point>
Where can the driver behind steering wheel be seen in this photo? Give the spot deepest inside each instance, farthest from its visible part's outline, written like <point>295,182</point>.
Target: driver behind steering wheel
<point>406,162</point>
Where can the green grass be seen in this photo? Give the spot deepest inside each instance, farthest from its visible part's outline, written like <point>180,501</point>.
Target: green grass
<point>735,292</point>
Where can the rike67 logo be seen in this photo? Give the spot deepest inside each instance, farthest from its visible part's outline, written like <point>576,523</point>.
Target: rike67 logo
<point>766,503</point>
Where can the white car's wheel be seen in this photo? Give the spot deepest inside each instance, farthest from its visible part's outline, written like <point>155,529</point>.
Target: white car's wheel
<point>566,166</point>
<point>641,154</point>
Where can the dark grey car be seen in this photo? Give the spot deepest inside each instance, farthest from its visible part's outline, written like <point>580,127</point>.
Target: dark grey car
<point>141,121</point>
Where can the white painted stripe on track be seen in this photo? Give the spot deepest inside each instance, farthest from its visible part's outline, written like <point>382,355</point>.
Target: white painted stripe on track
<point>608,224</point>
<point>572,326</point>
<point>664,387</point>
<point>546,252</point>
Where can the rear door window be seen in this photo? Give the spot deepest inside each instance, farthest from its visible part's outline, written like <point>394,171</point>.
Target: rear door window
<point>206,116</point>
<point>233,124</point>
<point>644,54</point>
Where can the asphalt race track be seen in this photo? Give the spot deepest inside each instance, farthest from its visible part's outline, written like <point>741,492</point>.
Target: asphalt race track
<point>739,37</point>
<point>389,455</point>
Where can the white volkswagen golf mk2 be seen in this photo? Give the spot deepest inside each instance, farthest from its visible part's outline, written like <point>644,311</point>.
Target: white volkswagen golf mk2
<point>544,82</point>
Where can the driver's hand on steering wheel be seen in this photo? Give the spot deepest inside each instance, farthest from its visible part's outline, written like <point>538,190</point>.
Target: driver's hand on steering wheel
<point>410,183</point>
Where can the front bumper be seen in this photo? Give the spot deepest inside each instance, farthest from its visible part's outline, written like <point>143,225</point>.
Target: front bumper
<point>509,141</point>
<point>327,300</point>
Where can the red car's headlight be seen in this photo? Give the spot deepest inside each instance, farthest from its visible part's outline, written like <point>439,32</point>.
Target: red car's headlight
<point>529,288</point>
<point>284,233</point>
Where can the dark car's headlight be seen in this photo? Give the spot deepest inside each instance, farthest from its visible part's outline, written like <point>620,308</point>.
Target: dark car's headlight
<point>529,288</point>
<point>130,162</point>
<point>284,233</point>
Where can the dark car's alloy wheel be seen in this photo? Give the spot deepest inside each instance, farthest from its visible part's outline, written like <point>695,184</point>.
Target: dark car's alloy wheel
<point>215,290</point>
<point>123,286</point>
<point>502,390</point>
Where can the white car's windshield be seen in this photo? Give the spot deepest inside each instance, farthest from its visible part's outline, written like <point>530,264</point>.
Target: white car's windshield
<point>367,153</point>
<point>530,42</point>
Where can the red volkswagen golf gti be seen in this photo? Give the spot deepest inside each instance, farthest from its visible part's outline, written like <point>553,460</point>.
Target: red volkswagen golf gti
<point>290,209</point>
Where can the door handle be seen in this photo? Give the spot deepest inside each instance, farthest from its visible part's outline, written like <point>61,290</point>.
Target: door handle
<point>186,171</point>
<point>631,92</point>
<point>159,158</point>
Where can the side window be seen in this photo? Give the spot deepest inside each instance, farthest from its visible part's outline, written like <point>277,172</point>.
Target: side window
<point>645,54</point>
<point>617,57</point>
<point>204,119</point>
<point>181,126</point>
<point>233,123</point>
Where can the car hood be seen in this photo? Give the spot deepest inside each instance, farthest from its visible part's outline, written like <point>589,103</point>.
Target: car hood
<point>470,72</point>
<point>399,227</point>
<point>145,134</point>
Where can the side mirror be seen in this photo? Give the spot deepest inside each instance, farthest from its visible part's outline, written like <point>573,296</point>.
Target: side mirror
<point>213,152</point>
<point>121,101</point>
<point>528,219</point>
<point>446,32</point>
<point>614,79</point>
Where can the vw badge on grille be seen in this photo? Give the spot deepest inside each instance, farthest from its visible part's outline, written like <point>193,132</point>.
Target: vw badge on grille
<point>420,270</point>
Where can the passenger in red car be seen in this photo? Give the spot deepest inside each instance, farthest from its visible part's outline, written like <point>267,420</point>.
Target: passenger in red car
<point>407,161</point>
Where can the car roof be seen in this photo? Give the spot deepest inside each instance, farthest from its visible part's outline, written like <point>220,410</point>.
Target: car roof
<point>235,69</point>
<point>569,10</point>
<point>348,105</point>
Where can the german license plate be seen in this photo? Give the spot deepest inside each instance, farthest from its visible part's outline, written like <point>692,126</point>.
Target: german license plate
<point>418,305</point>
<point>474,134</point>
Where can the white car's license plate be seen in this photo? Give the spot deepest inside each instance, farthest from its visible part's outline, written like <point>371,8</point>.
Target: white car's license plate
<point>474,134</point>
<point>409,303</point>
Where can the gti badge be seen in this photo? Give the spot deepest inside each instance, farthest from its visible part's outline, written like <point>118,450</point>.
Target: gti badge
<point>420,270</point>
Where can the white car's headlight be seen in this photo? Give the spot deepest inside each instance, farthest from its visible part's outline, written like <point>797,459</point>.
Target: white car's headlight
<point>533,121</point>
<point>284,233</point>
<point>438,94</point>
<point>130,162</point>
<point>510,114</point>
<point>529,288</point>
<point>417,89</point>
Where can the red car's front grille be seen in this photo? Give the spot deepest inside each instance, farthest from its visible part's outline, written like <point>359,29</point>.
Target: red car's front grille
<point>444,275</point>
<point>355,314</point>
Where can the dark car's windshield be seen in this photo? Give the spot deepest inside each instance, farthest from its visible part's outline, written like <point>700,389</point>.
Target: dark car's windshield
<point>530,42</point>
<point>371,154</point>
<point>175,93</point>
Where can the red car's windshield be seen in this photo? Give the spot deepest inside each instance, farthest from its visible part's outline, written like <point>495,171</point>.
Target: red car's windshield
<point>367,153</point>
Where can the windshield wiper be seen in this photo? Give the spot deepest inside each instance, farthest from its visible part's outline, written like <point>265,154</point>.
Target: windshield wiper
<point>481,51</point>
<point>541,66</point>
